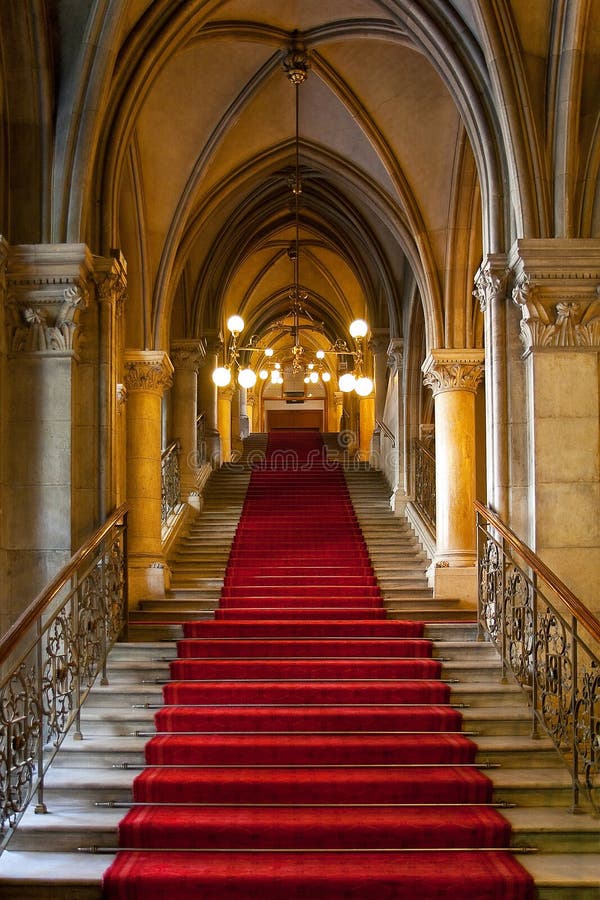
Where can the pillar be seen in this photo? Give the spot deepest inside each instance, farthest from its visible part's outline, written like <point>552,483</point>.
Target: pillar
<point>366,406</point>
<point>490,289</point>
<point>378,345</point>
<point>111,283</point>
<point>207,402</point>
<point>251,410</point>
<point>454,376</point>
<point>187,356</point>
<point>556,290</point>
<point>225,397</point>
<point>148,374</point>
<point>393,461</point>
<point>51,489</point>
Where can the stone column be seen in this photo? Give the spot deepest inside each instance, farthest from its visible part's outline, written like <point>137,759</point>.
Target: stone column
<point>251,409</point>
<point>378,345</point>
<point>490,289</point>
<point>454,376</point>
<point>148,374</point>
<point>111,284</point>
<point>187,356</point>
<point>225,396</point>
<point>366,406</point>
<point>395,468</point>
<point>207,402</point>
<point>51,456</point>
<point>338,399</point>
<point>557,288</point>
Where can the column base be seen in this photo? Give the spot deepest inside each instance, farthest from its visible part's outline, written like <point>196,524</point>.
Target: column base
<point>454,582</point>
<point>398,502</point>
<point>147,580</point>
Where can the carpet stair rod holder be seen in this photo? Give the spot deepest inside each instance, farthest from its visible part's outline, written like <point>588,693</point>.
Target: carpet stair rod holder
<point>307,746</point>
<point>49,660</point>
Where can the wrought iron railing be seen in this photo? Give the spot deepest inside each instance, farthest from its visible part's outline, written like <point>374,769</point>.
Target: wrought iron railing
<point>425,482</point>
<point>549,641</point>
<point>50,659</point>
<point>170,481</point>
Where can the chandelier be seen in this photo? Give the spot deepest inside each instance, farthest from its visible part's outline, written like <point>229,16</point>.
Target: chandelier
<point>297,319</point>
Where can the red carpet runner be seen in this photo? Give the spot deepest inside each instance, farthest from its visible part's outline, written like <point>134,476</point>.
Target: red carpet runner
<point>307,749</point>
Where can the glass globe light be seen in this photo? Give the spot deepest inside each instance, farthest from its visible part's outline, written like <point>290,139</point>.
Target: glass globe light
<point>269,351</point>
<point>311,365</point>
<point>326,376</point>
<point>314,377</point>
<point>275,376</point>
<point>320,354</point>
<point>221,376</point>
<point>363,386</point>
<point>246,378</point>
<point>235,324</point>
<point>277,365</point>
<point>347,382</point>
<point>263,374</point>
<point>358,328</point>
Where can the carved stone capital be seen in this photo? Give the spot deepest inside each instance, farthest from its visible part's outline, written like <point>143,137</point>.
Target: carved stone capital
<point>557,285</point>
<point>491,280</point>
<point>121,395</point>
<point>395,354</point>
<point>47,288</point>
<point>148,370</point>
<point>111,280</point>
<point>188,353</point>
<point>453,370</point>
<point>379,340</point>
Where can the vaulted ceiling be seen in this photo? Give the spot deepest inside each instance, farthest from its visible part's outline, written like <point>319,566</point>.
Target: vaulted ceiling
<point>428,135</point>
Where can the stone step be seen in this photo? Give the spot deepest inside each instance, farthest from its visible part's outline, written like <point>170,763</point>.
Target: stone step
<point>75,822</point>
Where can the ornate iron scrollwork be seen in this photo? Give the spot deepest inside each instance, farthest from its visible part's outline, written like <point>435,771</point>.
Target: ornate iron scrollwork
<point>544,650</point>
<point>55,663</point>
<point>425,482</point>
<point>170,482</point>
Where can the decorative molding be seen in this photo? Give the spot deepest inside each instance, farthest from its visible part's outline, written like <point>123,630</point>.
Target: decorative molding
<point>491,280</point>
<point>111,280</point>
<point>47,288</point>
<point>188,353</point>
<point>395,354</point>
<point>557,285</point>
<point>379,340</point>
<point>148,370</point>
<point>453,370</point>
<point>121,394</point>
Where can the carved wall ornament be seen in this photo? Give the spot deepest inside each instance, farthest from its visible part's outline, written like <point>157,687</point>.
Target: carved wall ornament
<point>188,354</point>
<point>491,282</point>
<point>148,370</point>
<point>111,280</point>
<point>557,286</point>
<point>453,370</point>
<point>395,355</point>
<point>44,319</point>
<point>121,394</point>
<point>570,322</point>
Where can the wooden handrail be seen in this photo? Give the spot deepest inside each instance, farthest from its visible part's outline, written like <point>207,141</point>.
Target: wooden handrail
<point>425,450</point>
<point>379,423</point>
<point>174,445</point>
<point>49,593</point>
<point>583,615</point>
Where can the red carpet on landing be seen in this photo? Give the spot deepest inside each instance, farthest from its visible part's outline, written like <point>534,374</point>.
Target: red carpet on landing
<point>307,748</point>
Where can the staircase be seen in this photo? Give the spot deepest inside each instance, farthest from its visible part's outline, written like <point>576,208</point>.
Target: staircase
<point>42,861</point>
